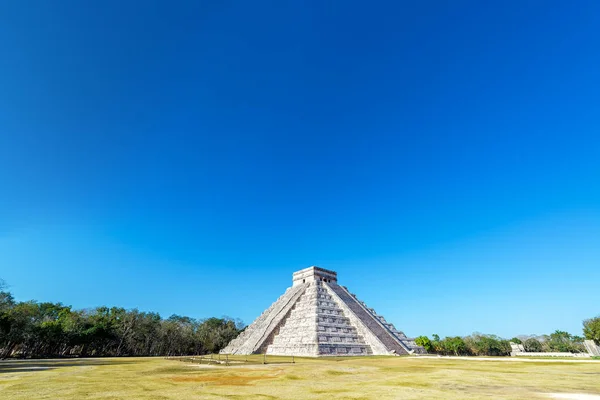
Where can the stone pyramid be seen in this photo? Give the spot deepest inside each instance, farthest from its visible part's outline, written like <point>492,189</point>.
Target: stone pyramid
<point>317,317</point>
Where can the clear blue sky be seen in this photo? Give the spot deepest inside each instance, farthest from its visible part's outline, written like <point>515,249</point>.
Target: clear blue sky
<point>187,157</point>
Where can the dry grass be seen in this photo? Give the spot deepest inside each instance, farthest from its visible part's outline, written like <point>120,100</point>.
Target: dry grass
<point>331,378</point>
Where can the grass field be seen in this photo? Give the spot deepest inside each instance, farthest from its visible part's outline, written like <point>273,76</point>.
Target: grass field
<point>347,378</point>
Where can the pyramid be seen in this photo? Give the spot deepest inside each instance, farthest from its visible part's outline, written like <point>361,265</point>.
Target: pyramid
<point>318,317</point>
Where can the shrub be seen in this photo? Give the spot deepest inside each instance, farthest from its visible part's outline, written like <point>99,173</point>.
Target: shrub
<point>532,345</point>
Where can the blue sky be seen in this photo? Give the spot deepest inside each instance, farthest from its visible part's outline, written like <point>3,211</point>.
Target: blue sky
<point>187,157</point>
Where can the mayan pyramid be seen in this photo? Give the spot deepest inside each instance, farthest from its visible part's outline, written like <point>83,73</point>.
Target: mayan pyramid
<point>318,317</point>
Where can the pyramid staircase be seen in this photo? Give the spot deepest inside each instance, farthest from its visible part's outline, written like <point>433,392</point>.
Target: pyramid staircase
<point>317,317</point>
<point>317,326</point>
<point>252,339</point>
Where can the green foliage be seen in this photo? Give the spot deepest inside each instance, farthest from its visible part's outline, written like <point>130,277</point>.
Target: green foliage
<point>492,345</point>
<point>32,329</point>
<point>425,343</point>
<point>487,345</point>
<point>474,345</point>
<point>532,345</point>
<point>561,341</point>
<point>591,329</point>
<point>6,303</point>
<point>516,340</point>
<point>448,346</point>
<point>455,345</point>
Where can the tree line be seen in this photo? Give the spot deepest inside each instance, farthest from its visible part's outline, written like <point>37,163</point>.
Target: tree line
<point>492,345</point>
<point>42,329</point>
<point>475,345</point>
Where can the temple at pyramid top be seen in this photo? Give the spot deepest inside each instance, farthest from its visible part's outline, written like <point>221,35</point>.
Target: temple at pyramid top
<point>318,317</point>
<point>312,274</point>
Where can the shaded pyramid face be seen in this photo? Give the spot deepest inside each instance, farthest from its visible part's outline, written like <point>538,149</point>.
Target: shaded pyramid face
<point>317,317</point>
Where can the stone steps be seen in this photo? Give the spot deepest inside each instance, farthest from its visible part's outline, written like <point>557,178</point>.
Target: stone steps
<point>309,329</point>
<point>297,333</point>
<point>251,340</point>
<point>371,322</point>
<point>400,336</point>
<point>344,350</point>
<point>316,317</point>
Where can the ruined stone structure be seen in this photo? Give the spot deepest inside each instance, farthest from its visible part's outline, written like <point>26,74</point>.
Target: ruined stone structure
<point>519,351</point>
<point>317,317</point>
<point>516,349</point>
<point>592,348</point>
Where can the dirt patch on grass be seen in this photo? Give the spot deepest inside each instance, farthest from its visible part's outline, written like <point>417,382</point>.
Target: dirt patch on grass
<point>330,391</point>
<point>410,384</point>
<point>335,372</point>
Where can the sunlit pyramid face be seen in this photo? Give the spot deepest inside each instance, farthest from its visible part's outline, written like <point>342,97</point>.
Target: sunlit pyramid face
<point>317,317</point>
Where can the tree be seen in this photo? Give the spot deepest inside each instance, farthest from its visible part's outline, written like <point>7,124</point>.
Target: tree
<point>487,345</point>
<point>6,303</point>
<point>561,341</point>
<point>516,340</point>
<point>436,344</point>
<point>6,299</point>
<point>33,329</point>
<point>425,343</point>
<point>455,345</point>
<point>591,329</point>
<point>532,345</point>
<point>217,332</point>
<point>6,317</point>
<point>447,346</point>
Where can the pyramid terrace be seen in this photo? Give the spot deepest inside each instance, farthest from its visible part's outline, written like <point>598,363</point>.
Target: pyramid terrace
<point>318,317</point>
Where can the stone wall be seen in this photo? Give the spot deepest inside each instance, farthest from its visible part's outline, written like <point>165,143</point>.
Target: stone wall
<point>553,354</point>
<point>317,326</point>
<point>377,347</point>
<point>592,348</point>
<point>391,343</point>
<point>313,274</point>
<point>252,339</point>
<point>517,350</point>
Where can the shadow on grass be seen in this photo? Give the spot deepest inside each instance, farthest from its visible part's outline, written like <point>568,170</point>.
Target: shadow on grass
<point>7,366</point>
